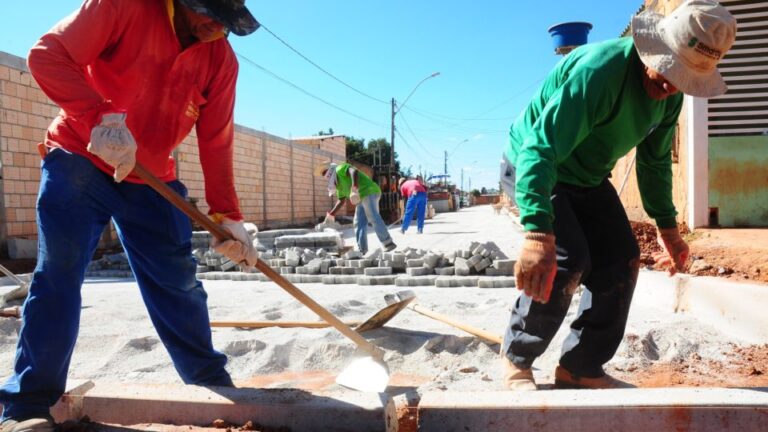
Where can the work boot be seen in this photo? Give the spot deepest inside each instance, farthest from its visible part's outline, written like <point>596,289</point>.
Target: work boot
<point>567,380</point>
<point>39,424</point>
<point>389,246</point>
<point>517,378</point>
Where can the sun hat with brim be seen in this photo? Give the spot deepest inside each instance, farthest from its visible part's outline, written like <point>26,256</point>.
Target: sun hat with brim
<point>686,45</point>
<point>231,13</point>
<point>321,168</point>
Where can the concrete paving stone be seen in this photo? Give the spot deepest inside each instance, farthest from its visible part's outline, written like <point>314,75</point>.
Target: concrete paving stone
<point>412,254</point>
<point>264,278</point>
<point>365,280</point>
<point>414,262</point>
<point>462,267</point>
<point>326,265</point>
<point>483,264</point>
<point>485,282</point>
<point>199,253</point>
<point>445,282</point>
<point>287,270</point>
<point>418,271</point>
<point>302,270</point>
<point>398,257</point>
<point>284,242</point>
<point>321,253</point>
<point>467,281</point>
<point>336,270</point>
<point>374,254</point>
<point>200,269</point>
<point>431,260</point>
<point>490,271</point>
<point>474,260</point>
<point>504,282</point>
<point>387,256</point>
<point>347,279</point>
<point>505,267</point>
<point>353,254</point>
<point>363,263</point>
<point>341,262</point>
<point>329,279</point>
<point>445,271</point>
<point>377,271</point>
<point>383,263</point>
<point>384,280</point>
<point>311,278</point>
<point>428,280</point>
<point>403,280</point>
<point>228,265</point>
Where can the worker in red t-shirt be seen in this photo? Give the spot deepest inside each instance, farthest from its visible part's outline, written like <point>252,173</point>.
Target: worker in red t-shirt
<point>132,78</point>
<point>415,191</point>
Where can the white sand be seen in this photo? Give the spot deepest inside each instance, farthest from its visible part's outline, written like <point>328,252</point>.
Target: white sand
<point>118,343</point>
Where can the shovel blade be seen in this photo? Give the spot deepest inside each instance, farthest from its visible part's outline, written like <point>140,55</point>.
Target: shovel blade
<point>365,374</point>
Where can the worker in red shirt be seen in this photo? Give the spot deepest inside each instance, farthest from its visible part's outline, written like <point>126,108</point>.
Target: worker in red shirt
<point>415,192</point>
<point>132,77</point>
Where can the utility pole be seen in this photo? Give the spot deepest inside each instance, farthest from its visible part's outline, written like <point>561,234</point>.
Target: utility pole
<point>445,166</point>
<point>462,185</point>
<point>392,138</point>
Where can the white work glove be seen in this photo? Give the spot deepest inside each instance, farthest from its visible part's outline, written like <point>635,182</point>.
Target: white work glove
<point>354,197</point>
<point>329,219</point>
<point>239,250</point>
<point>112,142</point>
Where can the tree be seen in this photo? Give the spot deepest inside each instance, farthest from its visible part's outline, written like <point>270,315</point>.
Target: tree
<point>377,150</point>
<point>475,193</point>
<point>323,133</point>
<point>483,191</point>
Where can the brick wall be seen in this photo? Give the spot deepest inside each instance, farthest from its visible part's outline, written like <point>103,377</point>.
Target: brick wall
<point>268,169</point>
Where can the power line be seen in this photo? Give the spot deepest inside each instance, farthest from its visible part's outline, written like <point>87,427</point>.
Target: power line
<point>321,68</point>
<point>408,126</point>
<point>318,98</point>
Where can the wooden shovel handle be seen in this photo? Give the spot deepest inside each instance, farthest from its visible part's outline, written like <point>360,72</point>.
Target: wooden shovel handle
<point>482,334</point>
<point>280,324</point>
<point>222,234</point>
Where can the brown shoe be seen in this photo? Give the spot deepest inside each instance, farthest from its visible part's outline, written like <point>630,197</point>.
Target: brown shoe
<point>567,380</point>
<point>516,378</point>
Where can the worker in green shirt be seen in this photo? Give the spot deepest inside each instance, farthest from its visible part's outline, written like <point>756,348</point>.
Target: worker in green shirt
<point>600,102</point>
<point>350,184</point>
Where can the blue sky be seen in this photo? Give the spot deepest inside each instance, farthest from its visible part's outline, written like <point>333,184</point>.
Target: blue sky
<point>491,54</point>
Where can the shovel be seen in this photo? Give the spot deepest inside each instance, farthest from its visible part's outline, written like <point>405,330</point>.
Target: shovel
<point>480,333</point>
<point>368,373</point>
<point>377,320</point>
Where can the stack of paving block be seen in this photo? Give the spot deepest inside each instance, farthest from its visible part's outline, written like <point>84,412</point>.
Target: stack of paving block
<point>111,266</point>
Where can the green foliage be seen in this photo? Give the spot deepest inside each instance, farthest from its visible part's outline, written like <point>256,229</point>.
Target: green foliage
<point>475,193</point>
<point>323,133</point>
<point>377,150</point>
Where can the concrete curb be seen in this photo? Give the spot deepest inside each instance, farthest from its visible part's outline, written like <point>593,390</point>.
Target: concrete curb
<point>662,409</point>
<point>299,410</point>
<point>667,409</point>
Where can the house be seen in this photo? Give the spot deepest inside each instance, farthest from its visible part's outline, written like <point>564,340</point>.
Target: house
<point>720,153</point>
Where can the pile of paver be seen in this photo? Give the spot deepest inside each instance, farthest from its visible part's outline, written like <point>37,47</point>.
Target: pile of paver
<point>304,256</point>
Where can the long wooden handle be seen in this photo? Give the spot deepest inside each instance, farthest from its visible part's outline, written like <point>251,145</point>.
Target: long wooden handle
<point>482,334</point>
<point>222,234</point>
<point>280,324</point>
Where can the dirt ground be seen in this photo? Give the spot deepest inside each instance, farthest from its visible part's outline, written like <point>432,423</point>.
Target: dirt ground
<point>737,254</point>
<point>741,367</point>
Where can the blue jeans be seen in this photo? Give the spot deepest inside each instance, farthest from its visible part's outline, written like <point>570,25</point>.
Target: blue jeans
<point>368,209</point>
<point>417,203</point>
<point>75,203</point>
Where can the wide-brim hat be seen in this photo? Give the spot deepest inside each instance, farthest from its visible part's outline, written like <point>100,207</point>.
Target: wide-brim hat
<point>686,45</point>
<point>321,168</point>
<point>231,13</point>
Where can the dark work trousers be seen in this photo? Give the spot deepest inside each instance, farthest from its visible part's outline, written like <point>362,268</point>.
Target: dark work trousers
<point>596,248</point>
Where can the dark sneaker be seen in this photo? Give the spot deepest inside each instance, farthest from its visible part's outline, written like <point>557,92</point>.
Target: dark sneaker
<point>567,380</point>
<point>39,424</point>
<point>390,246</point>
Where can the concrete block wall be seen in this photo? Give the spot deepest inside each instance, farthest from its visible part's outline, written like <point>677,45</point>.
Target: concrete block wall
<point>274,179</point>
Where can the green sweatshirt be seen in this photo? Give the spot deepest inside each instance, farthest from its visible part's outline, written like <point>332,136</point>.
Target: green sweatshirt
<point>590,111</point>
<point>365,185</point>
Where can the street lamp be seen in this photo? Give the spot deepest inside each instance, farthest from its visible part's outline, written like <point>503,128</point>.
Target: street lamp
<point>396,110</point>
<point>462,178</point>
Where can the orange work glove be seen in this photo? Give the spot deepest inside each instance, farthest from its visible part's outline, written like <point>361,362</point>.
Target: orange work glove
<point>536,268</point>
<point>675,252</point>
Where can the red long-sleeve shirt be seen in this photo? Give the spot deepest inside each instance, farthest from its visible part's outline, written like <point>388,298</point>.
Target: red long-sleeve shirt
<point>125,55</point>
